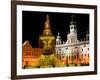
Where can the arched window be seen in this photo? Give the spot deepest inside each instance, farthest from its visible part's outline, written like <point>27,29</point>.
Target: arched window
<point>59,51</point>
<point>82,49</point>
<point>66,48</point>
<point>71,27</point>
<point>27,54</point>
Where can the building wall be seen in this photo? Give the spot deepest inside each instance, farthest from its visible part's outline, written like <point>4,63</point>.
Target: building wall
<point>76,53</point>
<point>30,56</point>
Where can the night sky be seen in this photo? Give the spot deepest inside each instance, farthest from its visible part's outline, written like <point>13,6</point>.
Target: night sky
<point>33,25</point>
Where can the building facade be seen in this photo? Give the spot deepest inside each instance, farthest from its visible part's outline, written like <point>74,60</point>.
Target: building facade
<point>54,52</point>
<point>73,50</point>
<point>30,56</point>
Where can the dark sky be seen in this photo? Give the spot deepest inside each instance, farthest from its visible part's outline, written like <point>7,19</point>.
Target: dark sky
<point>33,24</point>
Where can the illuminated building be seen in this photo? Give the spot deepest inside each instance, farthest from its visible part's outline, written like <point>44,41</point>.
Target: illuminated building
<point>53,53</point>
<point>30,56</point>
<point>73,50</point>
<point>42,56</point>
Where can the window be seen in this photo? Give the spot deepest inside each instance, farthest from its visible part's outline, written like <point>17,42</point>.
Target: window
<point>30,54</point>
<point>27,54</point>
<point>75,47</point>
<point>72,27</point>
<point>59,51</point>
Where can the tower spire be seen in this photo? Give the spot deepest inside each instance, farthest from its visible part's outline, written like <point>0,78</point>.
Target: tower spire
<point>72,19</point>
<point>47,30</point>
<point>58,39</point>
<point>72,36</point>
<point>73,25</point>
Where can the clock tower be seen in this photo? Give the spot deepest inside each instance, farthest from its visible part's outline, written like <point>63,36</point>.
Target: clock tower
<point>72,36</point>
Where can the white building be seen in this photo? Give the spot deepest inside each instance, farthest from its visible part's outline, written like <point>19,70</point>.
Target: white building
<point>72,46</point>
